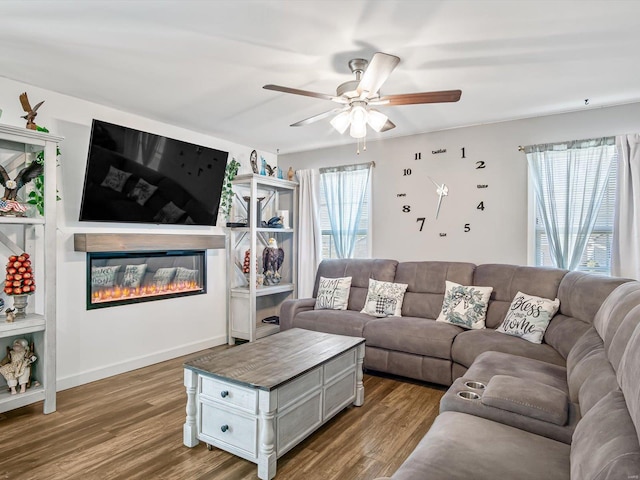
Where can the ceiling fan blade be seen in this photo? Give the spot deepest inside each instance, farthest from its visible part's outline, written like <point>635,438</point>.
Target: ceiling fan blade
<point>424,97</point>
<point>317,117</point>
<point>306,93</point>
<point>388,126</point>
<point>379,69</point>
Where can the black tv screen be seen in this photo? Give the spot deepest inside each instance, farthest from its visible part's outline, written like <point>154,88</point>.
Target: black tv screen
<point>139,177</point>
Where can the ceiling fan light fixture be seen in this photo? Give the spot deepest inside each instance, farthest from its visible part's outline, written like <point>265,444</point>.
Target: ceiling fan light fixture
<point>376,119</point>
<point>359,118</point>
<point>341,121</point>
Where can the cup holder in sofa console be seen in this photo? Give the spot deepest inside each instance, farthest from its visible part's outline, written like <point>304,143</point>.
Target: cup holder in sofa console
<point>475,385</point>
<point>468,395</point>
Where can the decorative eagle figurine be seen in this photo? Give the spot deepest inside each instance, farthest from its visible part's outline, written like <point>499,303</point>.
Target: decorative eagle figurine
<point>31,112</point>
<point>25,175</point>
<point>272,259</point>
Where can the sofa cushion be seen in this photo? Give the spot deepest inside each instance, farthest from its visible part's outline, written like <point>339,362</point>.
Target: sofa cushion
<point>528,317</point>
<point>384,299</point>
<point>582,294</point>
<point>507,280</point>
<point>426,281</point>
<point>528,398</point>
<point>563,332</point>
<point>488,364</point>
<point>416,335</point>
<point>452,402</point>
<point>469,344</point>
<point>333,293</point>
<point>360,271</point>
<point>456,448</point>
<point>605,443</point>
<point>465,306</point>
<point>339,322</point>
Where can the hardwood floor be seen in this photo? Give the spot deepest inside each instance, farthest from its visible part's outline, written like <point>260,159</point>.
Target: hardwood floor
<point>130,427</point>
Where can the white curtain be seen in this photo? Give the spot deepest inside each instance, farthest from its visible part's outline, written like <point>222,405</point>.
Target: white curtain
<point>345,189</point>
<point>625,248</point>
<point>309,232</point>
<point>569,179</point>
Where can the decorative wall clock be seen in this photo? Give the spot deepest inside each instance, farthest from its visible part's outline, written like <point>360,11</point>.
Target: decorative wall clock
<point>462,179</point>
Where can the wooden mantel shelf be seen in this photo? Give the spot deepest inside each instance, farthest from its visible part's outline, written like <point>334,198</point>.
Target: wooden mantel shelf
<point>140,242</point>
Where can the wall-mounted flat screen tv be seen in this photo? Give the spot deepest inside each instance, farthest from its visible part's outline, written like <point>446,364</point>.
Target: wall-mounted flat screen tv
<point>139,177</point>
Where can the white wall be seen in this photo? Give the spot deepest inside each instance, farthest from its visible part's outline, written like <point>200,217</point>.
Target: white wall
<point>99,343</point>
<point>499,233</point>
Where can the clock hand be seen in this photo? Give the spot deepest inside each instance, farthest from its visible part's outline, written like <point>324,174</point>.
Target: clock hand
<point>434,182</point>
<point>439,203</point>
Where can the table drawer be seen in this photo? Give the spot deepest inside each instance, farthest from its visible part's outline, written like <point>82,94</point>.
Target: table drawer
<point>230,428</point>
<point>335,367</point>
<point>229,394</point>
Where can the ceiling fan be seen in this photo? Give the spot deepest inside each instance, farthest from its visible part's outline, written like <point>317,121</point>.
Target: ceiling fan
<point>357,97</point>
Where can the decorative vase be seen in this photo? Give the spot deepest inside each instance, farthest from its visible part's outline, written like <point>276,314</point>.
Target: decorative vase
<point>20,304</point>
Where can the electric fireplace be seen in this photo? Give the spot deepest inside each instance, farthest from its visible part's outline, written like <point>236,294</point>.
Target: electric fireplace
<point>120,278</point>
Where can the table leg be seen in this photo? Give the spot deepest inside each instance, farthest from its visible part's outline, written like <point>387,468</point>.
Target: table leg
<point>267,452</point>
<point>189,429</point>
<point>359,401</point>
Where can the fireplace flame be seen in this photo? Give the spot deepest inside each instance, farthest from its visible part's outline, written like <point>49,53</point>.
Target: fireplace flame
<point>110,294</point>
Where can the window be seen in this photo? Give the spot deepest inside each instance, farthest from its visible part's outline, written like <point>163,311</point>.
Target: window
<point>350,200</point>
<point>596,256</point>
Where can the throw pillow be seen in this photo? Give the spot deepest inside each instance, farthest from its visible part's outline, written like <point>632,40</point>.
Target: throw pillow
<point>133,275</point>
<point>528,317</point>
<point>104,276</point>
<point>142,191</point>
<point>115,179</point>
<point>163,276</point>
<point>170,213</point>
<point>465,306</point>
<point>333,293</point>
<point>384,299</point>
<point>184,275</point>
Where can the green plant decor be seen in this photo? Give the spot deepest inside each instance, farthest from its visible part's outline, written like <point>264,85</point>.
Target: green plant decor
<point>36,196</point>
<point>226,198</point>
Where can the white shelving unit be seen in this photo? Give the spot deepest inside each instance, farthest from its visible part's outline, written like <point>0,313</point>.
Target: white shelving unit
<point>37,236</point>
<point>249,303</point>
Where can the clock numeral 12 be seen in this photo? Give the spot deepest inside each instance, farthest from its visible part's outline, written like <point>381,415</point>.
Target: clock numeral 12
<point>421,219</point>
<point>406,172</point>
<point>406,208</point>
<point>480,206</point>
<point>467,227</point>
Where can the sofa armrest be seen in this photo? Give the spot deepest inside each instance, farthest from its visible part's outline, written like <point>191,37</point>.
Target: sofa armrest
<point>290,308</point>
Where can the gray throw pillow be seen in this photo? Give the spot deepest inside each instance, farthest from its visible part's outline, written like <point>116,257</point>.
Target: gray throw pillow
<point>104,276</point>
<point>133,275</point>
<point>142,191</point>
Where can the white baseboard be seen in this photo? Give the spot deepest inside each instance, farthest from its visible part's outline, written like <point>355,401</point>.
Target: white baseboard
<point>135,363</point>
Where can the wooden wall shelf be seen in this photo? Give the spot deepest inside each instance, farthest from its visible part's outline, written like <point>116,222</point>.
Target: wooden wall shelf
<point>140,242</point>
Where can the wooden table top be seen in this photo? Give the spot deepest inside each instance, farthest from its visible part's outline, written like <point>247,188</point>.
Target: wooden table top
<point>271,361</point>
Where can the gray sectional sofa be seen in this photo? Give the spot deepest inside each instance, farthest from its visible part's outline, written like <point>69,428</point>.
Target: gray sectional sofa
<point>568,408</point>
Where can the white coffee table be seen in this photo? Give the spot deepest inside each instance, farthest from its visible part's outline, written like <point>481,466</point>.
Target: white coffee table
<point>259,400</point>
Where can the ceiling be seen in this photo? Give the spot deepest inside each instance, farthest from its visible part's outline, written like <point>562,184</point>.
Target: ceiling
<point>201,65</point>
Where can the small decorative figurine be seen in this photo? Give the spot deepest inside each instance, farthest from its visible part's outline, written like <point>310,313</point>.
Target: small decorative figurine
<point>11,187</point>
<point>11,315</point>
<point>280,176</point>
<point>290,174</point>
<point>19,279</point>
<point>275,222</point>
<point>16,366</point>
<point>263,162</point>
<point>272,259</point>
<point>253,159</point>
<point>31,112</point>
